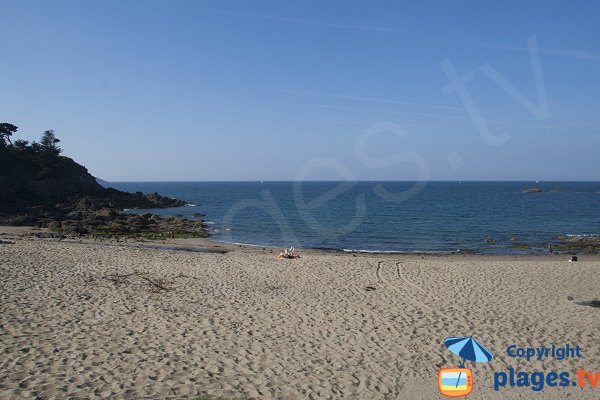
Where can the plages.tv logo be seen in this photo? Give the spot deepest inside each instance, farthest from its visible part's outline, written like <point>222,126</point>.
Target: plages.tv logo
<point>458,382</point>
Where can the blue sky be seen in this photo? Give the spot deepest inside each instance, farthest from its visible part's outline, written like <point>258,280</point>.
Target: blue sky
<point>264,90</point>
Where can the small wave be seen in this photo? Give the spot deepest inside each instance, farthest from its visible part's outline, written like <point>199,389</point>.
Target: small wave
<point>190,205</point>
<point>397,251</point>
<point>209,222</point>
<point>582,235</point>
<point>369,251</point>
<point>248,244</point>
<point>242,244</point>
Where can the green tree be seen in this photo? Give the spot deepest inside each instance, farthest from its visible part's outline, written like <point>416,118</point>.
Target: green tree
<point>49,143</point>
<point>21,145</point>
<point>35,147</point>
<point>6,131</point>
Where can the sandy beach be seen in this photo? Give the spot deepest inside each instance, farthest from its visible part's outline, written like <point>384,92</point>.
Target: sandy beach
<point>113,320</point>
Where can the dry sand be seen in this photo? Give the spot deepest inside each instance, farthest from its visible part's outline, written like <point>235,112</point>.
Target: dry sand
<point>91,320</point>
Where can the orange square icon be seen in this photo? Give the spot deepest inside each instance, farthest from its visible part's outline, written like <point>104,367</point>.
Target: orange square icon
<point>455,382</point>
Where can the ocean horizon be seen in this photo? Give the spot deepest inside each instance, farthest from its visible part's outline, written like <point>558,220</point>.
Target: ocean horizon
<point>487,217</point>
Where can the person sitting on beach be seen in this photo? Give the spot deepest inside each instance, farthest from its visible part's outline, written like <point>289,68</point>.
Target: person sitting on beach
<point>291,253</point>
<point>573,258</point>
<point>285,254</point>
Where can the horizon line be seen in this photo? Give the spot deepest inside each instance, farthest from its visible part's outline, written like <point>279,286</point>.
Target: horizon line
<point>358,181</point>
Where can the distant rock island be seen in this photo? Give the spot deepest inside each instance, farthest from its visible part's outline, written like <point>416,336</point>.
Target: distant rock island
<point>41,187</point>
<point>538,190</point>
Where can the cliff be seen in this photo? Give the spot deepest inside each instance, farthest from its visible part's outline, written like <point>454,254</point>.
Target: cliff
<point>38,186</point>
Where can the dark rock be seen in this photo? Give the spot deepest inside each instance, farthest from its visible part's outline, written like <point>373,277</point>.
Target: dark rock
<point>583,243</point>
<point>61,195</point>
<point>54,226</point>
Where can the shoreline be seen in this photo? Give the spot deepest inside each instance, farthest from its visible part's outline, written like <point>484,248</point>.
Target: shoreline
<point>201,244</point>
<point>539,250</point>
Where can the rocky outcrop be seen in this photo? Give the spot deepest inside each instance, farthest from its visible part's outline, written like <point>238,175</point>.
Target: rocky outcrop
<point>27,181</point>
<point>108,222</point>
<point>54,191</point>
<point>579,243</point>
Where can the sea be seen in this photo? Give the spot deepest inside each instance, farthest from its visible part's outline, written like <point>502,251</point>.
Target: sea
<point>429,217</point>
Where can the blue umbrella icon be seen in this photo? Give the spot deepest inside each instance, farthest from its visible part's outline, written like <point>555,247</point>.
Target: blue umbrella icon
<point>468,348</point>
